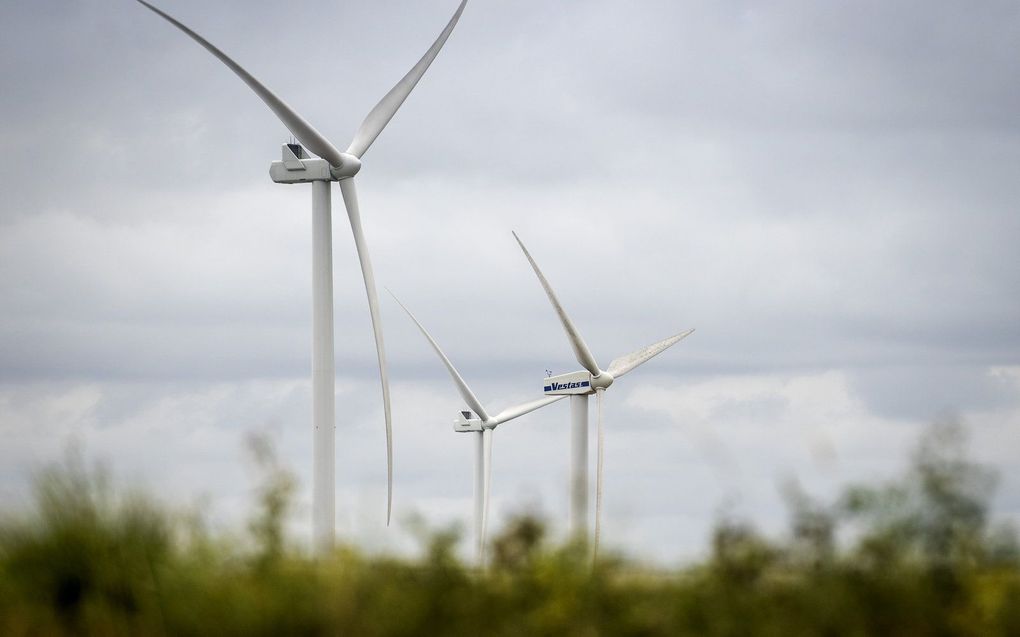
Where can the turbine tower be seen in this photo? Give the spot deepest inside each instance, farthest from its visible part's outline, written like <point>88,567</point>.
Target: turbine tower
<point>579,386</point>
<point>479,422</point>
<point>297,167</point>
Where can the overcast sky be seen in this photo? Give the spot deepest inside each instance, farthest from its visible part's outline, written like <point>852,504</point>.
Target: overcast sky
<point>829,192</point>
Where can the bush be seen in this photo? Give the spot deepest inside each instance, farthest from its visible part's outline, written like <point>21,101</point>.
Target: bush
<point>923,561</point>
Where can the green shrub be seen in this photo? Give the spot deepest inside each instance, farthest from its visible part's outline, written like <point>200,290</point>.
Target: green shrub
<point>922,560</point>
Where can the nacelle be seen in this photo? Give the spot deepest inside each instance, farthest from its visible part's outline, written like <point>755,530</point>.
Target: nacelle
<point>467,421</point>
<point>566,384</point>
<point>296,167</point>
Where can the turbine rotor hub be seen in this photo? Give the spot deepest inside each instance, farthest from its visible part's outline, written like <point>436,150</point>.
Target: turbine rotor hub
<point>349,166</point>
<point>602,381</point>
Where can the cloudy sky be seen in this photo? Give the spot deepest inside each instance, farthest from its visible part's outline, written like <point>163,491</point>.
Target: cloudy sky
<point>828,192</point>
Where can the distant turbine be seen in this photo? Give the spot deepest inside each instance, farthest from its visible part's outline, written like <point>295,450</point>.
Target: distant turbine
<point>296,167</point>
<point>580,385</point>
<point>482,424</point>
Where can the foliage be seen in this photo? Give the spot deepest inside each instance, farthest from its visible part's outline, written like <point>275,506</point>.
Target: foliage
<point>921,559</point>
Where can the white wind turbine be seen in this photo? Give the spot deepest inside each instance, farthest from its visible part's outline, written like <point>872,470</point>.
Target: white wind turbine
<point>334,165</point>
<point>479,422</point>
<point>579,386</point>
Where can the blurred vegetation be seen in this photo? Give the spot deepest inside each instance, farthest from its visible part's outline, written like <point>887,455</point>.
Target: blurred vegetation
<point>917,556</point>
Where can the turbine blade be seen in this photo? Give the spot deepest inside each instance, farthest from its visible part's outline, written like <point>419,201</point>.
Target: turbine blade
<point>462,386</point>
<point>598,475</point>
<point>350,195</point>
<point>581,351</point>
<point>310,138</point>
<point>487,482</point>
<point>627,362</point>
<point>513,412</point>
<point>387,107</point>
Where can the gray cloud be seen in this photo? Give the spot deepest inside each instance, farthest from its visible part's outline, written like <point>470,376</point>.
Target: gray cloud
<point>819,189</point>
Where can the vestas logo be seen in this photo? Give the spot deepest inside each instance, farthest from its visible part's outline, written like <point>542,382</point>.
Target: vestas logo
<point>572,383</point>
<point>561,386</point>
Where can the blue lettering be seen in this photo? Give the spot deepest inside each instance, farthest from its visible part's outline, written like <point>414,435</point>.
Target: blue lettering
<point>557,386</point>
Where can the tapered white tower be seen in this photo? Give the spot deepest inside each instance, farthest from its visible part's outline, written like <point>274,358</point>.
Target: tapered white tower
<point>478,422</point>
<point>297,167</point>
<point>579,386</point>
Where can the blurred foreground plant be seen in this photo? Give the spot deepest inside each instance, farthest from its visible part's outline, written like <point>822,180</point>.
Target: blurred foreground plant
<point>921,559</point>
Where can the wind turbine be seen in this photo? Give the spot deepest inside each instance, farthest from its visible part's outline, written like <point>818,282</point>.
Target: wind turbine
<point>579,386</point>
<point>479,422</point>
<point>334,165</point>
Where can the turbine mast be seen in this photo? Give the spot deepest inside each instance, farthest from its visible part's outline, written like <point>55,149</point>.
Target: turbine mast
<point>579,467</point>
<point>323,373</point>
